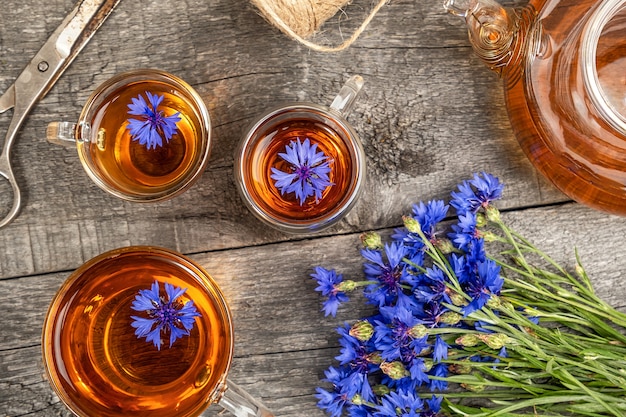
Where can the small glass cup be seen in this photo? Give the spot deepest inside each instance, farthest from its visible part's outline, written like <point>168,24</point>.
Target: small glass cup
<point>99,366</point>
<point>125,164</point>
<point>301,167</point>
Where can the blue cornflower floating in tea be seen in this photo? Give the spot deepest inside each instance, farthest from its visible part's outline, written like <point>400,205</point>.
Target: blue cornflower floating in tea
<point>164,314</point>
<point>151,126</point>
<point>309,171</point>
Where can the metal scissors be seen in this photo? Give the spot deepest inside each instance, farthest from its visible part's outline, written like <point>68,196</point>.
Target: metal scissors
<point>42,72</point>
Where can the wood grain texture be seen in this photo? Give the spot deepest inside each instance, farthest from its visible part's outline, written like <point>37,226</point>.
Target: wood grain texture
<point>430,115</point>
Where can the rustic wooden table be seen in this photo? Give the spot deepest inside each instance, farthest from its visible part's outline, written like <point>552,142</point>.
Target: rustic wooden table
<point>430,115</point>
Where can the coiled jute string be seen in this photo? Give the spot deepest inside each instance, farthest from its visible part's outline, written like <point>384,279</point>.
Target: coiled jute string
<point>300,19</point>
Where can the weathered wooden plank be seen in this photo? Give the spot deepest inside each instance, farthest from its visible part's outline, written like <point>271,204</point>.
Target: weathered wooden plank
<point>275,278</point>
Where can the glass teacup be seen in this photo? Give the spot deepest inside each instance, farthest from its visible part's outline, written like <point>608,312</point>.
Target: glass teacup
<point>301,167</point>
<point>142,135</point>
<point>142,331</point>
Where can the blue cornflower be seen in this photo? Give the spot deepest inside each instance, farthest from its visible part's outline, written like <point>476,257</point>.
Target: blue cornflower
<point>390,275</point>
<point>476,193</point>
<point>475,255</point>
<point>428,216</point>
<point>361,410</point>
<point>401,404</point>
<point>152,126</point>
<point>434,406</point>
<point>486,281</point>
<point>440,350</point>
<point>432,286</point>
<point>430,313</point>
<point>501,354</point>
<point>335,400</point>
<point>394,335</point>
<point>358,355</point>
<point>331,401</point>
<point>329,285</point>
<point>439,370</point>
<point>309,171</point>
<point>164,315</point>
<point>465,232</point>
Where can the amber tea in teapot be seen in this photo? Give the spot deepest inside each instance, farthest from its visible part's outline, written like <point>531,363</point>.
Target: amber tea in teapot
<point>564,68</point>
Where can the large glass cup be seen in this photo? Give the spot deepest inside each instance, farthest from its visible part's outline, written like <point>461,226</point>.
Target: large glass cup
<point>153,161</point>
<point>102,362</point>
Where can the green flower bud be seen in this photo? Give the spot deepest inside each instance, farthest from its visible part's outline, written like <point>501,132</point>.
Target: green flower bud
<point>381,390</point>
<point>371,240</point>
<point>394,370</point>
<point>347,286</point>
<point>444,245</point>
<point>418,331</point>
<point>473,388</point>
<point>494,340</point>
<point>428,364</point>
<point>411,224</point>
<point>375,358</point>
<point>460,369</point>
<point>468,340</point>
<point>480,220</point>
<point>362,330</point>
<point>457,299</point>
<point>492,213</point>
<point>357,399</point>
<point>451,318</point>
<point>494,302</point>
<point>490,237</point>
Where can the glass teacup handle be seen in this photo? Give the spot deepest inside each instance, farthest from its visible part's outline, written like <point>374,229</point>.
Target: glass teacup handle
<point>61,133</point>
<point>343,102</point>
<point>241,404</point>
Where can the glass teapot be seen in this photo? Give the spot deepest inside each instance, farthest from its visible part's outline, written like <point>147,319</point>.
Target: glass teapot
<point>564,68</point>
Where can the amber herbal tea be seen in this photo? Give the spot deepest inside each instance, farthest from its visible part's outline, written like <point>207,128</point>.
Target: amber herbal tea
<point>144,136</point>
<point>300,167</point>
<point>102,362</point>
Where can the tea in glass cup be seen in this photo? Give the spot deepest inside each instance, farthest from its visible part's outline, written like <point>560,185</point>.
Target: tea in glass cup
<point>141,331</point>
<point>301,167</point>
<point>142,136</point>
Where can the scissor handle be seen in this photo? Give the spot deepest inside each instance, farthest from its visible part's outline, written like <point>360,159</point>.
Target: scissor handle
<point>7,172</point>
<point>42,72</point>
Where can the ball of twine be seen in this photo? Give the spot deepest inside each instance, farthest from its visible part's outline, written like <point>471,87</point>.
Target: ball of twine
<point>300,19</point>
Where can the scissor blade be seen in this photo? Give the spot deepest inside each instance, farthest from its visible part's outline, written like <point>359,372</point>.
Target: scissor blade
<point>7,100</point>
<point>80,25</point>
<point>59,51</point>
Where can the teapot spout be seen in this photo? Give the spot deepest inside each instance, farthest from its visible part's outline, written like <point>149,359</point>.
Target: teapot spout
<point>495,32</point>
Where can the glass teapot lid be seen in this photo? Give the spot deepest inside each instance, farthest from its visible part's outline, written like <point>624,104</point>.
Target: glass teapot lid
<point>603,54</point>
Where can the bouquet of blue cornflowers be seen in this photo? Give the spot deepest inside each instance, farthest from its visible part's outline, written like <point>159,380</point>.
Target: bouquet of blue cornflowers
<point>465,331</point>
